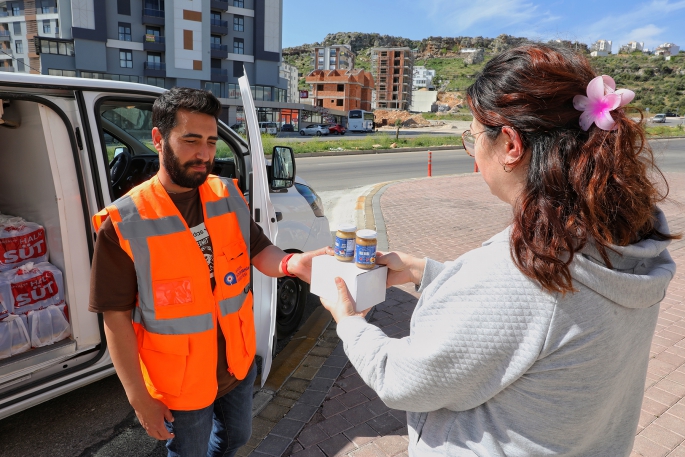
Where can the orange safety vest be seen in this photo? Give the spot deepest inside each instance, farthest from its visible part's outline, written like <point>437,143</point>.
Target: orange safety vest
<point>176,311</point>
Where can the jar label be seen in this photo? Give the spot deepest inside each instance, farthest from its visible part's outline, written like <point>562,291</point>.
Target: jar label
<point>344,247</point>
<point>365,255</point>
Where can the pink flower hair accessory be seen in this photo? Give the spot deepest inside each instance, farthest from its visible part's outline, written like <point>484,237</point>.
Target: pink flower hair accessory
<point>602,98</point>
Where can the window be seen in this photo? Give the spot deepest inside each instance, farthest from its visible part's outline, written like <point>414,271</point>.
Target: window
<point>237,70</point>
<point>126,78</point>
<point>17,28</point>
<point>20,65</point>
<point>155,31</point>
<point>46,26</point>
<point>339,102</point>
<point>19,46</point>
<point>239,3</point>
<point>215,39</point>
<point>54,72</point>
<point>154,57</point>
<point>239,23</point>
<point>238,46</point>
<point>124,31</point>
<point>124,7</point>
<point>56,26</point>
<point>214,88</point>
<point>341,88</point>
<point>159,82</point>
<point>319,87</point>
<point>215,18</point>
<point>64,48</point>
<point>125,59</point>
<point>15,10</point>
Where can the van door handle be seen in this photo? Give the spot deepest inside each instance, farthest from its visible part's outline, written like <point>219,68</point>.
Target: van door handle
<point>279,216</point>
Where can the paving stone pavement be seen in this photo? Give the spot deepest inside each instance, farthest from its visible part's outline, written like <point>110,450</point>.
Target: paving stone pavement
<point>443,218</point>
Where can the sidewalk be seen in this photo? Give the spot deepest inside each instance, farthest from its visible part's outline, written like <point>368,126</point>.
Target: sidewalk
<point>443,218</point>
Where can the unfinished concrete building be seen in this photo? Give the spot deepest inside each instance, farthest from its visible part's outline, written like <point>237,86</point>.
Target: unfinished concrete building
<point>341,89</point>
<point>393,70</point>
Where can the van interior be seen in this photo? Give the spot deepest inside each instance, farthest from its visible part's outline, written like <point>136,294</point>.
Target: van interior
<point>43,165</point>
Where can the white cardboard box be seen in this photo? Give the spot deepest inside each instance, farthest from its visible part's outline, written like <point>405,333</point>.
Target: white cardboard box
<point>367,287</point>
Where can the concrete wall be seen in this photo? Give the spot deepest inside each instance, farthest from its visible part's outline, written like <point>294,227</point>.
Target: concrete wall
<point>90,55</point>
<point>422,100</point>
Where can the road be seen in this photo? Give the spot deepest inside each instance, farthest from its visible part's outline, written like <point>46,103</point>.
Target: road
<point>97,421</point>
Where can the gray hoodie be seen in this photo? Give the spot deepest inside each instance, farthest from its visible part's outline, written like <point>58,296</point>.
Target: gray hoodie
<point>495,366</point>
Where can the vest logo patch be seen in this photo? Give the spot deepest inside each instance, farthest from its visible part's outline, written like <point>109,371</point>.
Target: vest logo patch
<point>230,279</point>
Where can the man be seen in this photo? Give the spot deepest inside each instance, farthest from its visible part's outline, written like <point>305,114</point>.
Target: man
<point>178,319</point>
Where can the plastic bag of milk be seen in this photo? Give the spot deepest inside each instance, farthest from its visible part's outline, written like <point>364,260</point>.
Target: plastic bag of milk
<point>48,326</point>
<point>21,242</point>
<point>14,338</point>
<point>32,287</point>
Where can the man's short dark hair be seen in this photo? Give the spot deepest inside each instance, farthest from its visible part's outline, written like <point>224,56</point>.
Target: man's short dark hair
<point>194,100</point>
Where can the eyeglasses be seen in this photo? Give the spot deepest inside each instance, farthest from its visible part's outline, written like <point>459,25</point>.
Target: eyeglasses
<point>468,139</point>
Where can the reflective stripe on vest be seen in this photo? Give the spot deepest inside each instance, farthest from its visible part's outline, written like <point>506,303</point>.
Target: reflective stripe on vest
<point>136,230</point>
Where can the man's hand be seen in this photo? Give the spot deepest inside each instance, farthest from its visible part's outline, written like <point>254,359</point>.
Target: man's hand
<point>402,268</point>
<point>151,414</point>
<point>301,264</point>
<point>344,307</point>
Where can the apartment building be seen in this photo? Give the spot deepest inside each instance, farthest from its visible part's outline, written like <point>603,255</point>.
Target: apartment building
<point>342,90</point>
<point>334,57</point>
<point>392,70</point>
<point>633,46</point>
<point>423,78</point>
<point>166,43</point>
<point>667,50</point>
<point>290,74</point>
<point>600,48</point>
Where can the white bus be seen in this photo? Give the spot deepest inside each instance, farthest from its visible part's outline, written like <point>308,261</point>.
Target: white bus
<point>359,120</point>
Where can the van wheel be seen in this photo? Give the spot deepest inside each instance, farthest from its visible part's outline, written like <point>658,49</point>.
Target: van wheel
<point>302,132</point>
<point>291,300</point>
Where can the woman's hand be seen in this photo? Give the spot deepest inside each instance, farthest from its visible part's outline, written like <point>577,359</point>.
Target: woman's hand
<point>402,268</point>
<point>344,307</point>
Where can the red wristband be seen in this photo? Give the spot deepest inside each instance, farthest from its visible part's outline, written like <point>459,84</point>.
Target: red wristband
<point>284,266</point>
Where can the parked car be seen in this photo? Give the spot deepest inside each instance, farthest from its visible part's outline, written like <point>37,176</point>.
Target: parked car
<point>270,128</point>
<point>287,128</point>
<point>76,145</point>
<point>238,128</point>
<point>336,129</point>
<point>314,129</point>
<point>659,118</point>
<point>671,114</point>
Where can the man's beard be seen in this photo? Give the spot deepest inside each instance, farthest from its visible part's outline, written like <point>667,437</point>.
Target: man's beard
<point>180,173</point>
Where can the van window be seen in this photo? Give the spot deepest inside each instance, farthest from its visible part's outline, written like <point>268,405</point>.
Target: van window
<point>126,137</point>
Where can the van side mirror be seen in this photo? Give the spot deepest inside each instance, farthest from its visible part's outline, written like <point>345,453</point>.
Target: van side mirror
<point>118,150</point>
<point>282,171</point>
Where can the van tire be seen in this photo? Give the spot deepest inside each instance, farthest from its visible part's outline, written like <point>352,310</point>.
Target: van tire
<point>291,299</point>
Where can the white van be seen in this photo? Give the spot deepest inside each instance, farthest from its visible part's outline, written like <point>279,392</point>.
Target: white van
<point>70,147</point>
<point>268,127</point>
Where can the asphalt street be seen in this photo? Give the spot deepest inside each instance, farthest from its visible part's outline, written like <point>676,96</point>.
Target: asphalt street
<point>97,420</point>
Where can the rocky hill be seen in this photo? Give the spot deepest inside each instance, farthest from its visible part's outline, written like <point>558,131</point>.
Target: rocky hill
<point>659,84</point>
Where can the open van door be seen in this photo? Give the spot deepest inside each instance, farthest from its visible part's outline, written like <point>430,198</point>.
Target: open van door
<point>263,287</point>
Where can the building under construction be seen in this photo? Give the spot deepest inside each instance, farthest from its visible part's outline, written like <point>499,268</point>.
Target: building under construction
<point>392,70</point>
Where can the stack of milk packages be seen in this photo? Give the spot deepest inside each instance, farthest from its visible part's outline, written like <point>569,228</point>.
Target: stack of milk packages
<point>33,312</point>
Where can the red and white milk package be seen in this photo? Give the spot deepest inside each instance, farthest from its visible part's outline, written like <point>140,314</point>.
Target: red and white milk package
<point>31,287</point>
<point>21,242</point>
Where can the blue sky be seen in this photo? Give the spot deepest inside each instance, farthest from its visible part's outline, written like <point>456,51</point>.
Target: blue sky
<point>651,21</point>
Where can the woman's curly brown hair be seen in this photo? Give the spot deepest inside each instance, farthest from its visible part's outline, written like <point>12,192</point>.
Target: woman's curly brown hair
<point>580,186</point>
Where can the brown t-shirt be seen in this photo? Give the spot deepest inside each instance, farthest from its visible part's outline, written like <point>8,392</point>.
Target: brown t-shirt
<point>113,284</point>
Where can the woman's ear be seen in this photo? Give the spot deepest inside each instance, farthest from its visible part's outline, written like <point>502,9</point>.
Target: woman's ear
<point>513,146</point>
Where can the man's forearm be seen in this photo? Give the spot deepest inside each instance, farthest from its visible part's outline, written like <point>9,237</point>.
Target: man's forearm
<point>268,261</point>
<point>123,347</point>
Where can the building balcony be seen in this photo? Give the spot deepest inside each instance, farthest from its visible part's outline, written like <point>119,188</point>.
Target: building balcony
<point>155,69</point>
<point>219,51</point>
<point>153,16</point>
<point>4,13</point>
<point>4,35</point>
<point>6,54</point>
<point>219,75</point>
<point>46,10</point>
<point>153,43</point>
<point>8,69</point>
<point>219,5</point>
<point>219,27</point>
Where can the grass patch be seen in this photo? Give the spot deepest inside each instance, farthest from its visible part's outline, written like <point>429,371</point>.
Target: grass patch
<point>664,130</point>
<point>370,142</point>
<point>447,117</point>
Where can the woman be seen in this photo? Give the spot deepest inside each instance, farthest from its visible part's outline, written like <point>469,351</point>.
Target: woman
<point>536,343</point>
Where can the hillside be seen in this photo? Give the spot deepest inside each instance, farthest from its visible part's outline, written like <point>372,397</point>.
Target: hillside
<point>659,84</point>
